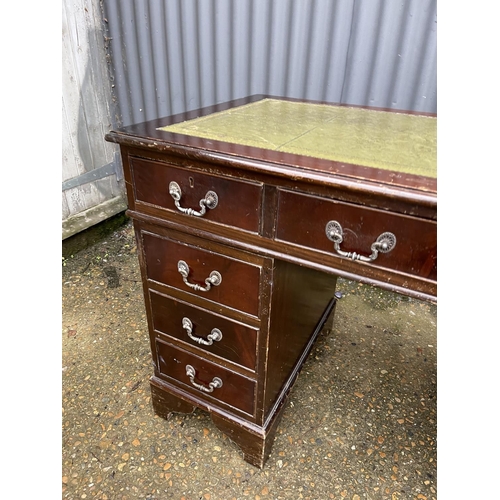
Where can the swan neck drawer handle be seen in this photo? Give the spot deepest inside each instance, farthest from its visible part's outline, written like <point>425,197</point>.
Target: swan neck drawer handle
<point>214,278</point>
<point>215,384</point>
<point>214,336</point>
<point>210,201</point>
<point>383,244</point>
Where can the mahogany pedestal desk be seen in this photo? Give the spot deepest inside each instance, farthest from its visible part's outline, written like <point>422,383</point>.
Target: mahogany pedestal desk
<point>245,213</point>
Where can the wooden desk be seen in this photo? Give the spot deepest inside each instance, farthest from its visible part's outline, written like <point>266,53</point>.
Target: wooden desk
<point>245,213</point>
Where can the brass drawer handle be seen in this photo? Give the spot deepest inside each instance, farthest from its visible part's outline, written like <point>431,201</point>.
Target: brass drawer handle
<point>215,334</point>
<point>384,243</point>
<point>215,384</point>
<point>210,201</point>
<point>214,279</point>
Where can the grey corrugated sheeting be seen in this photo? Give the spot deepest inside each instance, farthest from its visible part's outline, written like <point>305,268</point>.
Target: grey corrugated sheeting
<point>176,55</point>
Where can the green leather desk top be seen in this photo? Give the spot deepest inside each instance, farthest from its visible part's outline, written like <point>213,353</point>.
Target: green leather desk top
<point>381,139</point>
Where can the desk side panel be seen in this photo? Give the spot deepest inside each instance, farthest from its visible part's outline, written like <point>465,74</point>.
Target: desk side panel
<point>300,297</point>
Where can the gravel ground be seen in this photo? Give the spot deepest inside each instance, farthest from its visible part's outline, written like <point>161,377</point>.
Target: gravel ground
<point>360,422</point>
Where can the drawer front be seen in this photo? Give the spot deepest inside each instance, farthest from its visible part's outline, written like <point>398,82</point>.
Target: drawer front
<point>235,390</point>
<point>239,281</point>
<point>212,333</point>
<point>238,202</point>
<point>302,221</point>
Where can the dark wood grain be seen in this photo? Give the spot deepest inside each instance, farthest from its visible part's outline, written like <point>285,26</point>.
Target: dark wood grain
<point>238,343</point>
<point>300,298</point>
<point>164,403</point>
<point>239,203</point>
<point>279,270</point>
<point>378,194</point>
<point>255,442</point>
<point>394,281</point>
<point>302,220</point>
<point>240,281</point>
<point>146,135</point>
<point>236,391</point>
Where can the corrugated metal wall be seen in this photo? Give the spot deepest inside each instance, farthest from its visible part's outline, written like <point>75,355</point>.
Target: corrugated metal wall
<point>176,55</point>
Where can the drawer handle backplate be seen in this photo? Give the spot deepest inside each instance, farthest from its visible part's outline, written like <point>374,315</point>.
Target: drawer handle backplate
<point>214,279</point>
<point>210,201</point>
<point>215,384</point>
<point>214,336</point>
<point>384,243</point>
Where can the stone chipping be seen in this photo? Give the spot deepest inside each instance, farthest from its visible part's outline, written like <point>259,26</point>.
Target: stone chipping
<point>360,422</point>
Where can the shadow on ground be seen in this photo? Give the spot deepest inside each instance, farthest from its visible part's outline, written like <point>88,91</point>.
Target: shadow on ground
<point>360,422</point>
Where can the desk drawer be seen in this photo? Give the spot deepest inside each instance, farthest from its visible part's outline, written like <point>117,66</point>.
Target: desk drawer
<point>302,221</point>
<point>235,283</point>
<point>205,379</point>
<point>238,202</point>
<point>218,335</point>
